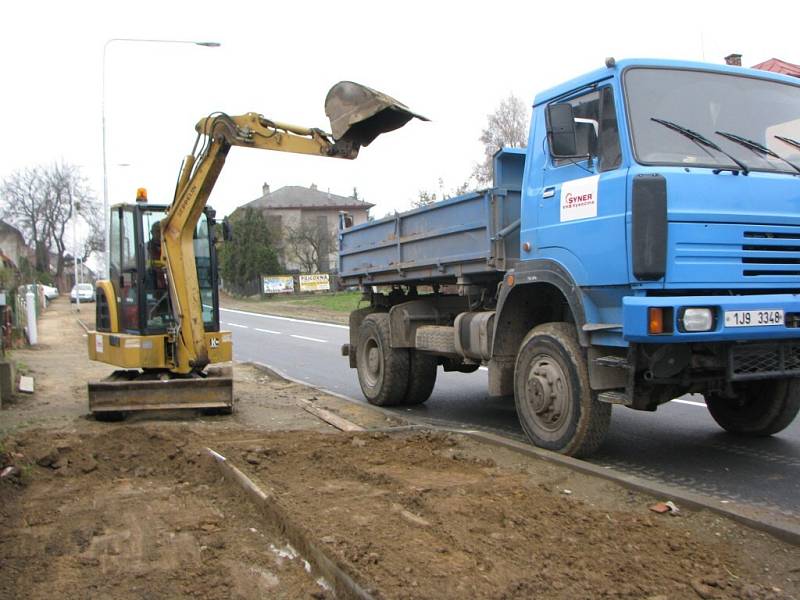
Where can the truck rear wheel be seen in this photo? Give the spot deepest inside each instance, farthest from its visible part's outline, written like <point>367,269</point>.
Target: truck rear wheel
<point>421,377</point>
<point>761,408</point>
<point>383,372</point>
<point>556,407</point>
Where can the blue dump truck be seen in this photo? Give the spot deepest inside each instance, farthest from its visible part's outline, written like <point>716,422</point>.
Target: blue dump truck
<point>646,244</point>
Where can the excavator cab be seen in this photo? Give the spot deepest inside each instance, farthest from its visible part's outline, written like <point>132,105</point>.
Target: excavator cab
<point>139,279</point>
<point>135,323</point>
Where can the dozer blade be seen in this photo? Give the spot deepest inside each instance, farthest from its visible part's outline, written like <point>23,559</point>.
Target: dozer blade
<point>127,391</point>
<point>359,114</point>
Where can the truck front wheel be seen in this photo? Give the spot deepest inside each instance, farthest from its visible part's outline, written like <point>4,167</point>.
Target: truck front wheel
<point>382,370</point>
<point>555,404</point>
<point>760,408</point>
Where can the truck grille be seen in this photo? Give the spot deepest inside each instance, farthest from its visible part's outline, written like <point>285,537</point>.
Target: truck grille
<point>777,253</point>
<point>762,361</point>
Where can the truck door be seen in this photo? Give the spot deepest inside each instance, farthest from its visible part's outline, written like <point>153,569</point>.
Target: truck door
<point>581,205</point>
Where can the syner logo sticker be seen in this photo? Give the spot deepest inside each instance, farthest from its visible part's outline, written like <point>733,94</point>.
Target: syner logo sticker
<point>579,198</point>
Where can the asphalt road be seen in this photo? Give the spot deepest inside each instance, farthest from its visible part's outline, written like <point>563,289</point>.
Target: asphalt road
<point>679,444</point>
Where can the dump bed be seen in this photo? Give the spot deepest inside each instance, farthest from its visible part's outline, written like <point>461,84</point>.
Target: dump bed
<point>475,235</point>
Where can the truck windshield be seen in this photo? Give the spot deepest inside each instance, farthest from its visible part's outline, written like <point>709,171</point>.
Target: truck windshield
<point>707,103</point>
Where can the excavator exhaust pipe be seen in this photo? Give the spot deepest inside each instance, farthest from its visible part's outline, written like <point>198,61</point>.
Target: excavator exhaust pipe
<point>359,114</point>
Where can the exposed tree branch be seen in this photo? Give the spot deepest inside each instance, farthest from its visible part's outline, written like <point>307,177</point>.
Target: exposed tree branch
<point>507,127</point>
<point>309,244</point>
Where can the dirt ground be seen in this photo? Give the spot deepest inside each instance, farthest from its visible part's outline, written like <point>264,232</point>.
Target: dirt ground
<point>137,510</point>
<point>432,515</point>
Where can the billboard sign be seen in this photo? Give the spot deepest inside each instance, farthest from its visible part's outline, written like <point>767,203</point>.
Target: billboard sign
<point>278,284</point>
<point>318,282</point>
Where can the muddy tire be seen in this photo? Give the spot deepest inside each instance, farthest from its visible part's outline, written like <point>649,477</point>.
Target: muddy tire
<point>421,377</point>
<point>760,409</point>
<point>382,370</point>
<point>556,407</point>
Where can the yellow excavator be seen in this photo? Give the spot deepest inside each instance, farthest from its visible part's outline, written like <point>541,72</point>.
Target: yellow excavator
<point>157,314</point>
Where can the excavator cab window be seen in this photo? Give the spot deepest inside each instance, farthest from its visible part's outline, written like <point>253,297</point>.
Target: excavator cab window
<point>139,276</point>
<point>158,315</point>
<point>203,244</point>
<point>129,273</point>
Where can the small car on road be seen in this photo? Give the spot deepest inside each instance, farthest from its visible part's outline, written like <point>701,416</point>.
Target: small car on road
<point>83,292</point>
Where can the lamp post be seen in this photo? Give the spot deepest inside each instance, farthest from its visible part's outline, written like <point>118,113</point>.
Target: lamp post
<point>106,220</point>
<point>76,285</point>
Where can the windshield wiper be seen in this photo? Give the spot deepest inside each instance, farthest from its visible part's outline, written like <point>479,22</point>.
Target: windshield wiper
<point>789,141</point>
<point>701,140</point>
<point>755,147</point>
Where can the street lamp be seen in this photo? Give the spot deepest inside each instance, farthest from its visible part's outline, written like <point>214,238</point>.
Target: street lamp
<point>106,220</point>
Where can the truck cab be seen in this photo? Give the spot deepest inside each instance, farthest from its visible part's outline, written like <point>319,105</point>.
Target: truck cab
<point>657,252</point>
<point>632,201</point>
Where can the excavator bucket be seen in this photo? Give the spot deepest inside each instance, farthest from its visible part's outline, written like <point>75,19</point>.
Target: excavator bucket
<point>359,114</point>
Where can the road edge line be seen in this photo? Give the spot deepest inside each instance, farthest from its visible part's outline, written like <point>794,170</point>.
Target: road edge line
<point>343,584</point>
<point>285,318</point>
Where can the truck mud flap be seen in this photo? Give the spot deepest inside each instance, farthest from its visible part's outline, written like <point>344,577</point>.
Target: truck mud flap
<point>122,391</point>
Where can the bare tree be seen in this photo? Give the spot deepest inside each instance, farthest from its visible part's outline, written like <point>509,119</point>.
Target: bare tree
<point>91,212</point>
<point>426,197</point>
<point>24,200</point>
<point>43,201</point>
<point>507,127</point>
<point>309,244</point>
<point>67,192</point>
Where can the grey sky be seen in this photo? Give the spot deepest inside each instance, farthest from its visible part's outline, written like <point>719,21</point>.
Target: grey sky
<point>452,62</point>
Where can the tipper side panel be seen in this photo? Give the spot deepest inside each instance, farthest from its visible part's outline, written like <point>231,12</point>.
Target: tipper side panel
<point>476,235</point>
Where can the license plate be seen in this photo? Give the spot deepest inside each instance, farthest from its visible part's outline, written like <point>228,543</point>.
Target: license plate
<point>753,318</point>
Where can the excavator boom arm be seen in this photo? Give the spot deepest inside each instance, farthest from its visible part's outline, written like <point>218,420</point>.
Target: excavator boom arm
<point>197,180</point>
<point>358,114</point>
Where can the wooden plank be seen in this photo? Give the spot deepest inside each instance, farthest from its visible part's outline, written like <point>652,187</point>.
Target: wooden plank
<point>330,418</point>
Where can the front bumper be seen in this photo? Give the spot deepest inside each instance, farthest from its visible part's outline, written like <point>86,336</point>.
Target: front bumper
<point>635,318</point>
<point>763,360</point>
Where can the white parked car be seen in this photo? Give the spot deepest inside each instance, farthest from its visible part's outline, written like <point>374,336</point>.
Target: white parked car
<point>83,292</point>
<point>50,292</point>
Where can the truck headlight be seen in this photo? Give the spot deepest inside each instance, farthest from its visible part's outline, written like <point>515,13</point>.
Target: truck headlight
<point>697,319</point>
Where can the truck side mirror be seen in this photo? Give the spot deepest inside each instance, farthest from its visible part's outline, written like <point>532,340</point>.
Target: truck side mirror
<point>561,131</point>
